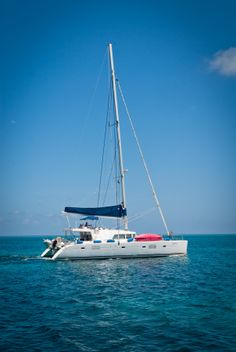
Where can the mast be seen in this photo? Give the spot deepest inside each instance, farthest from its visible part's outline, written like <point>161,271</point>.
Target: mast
<point>122,173</point>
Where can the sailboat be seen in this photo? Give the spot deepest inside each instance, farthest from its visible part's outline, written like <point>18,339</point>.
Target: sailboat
<point>90,241</point>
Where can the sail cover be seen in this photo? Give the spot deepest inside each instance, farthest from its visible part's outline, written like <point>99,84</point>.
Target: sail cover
<point>115,211</point>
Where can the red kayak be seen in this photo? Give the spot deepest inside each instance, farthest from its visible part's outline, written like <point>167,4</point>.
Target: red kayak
<point>148,237</point>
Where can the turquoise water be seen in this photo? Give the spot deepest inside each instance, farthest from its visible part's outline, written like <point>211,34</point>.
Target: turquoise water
<point>159,304</point>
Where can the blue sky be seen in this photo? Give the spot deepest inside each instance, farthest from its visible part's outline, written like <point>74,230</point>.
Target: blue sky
<point>176,61</point>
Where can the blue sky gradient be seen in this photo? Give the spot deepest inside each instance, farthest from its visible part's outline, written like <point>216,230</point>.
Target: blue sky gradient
<point>183,103</point>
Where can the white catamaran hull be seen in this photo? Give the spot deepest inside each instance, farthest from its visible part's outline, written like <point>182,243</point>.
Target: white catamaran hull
<point>90,250</point>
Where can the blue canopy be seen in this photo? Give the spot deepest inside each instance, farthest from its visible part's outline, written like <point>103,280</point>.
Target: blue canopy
<point>90,218</point>
<point>115,211</point>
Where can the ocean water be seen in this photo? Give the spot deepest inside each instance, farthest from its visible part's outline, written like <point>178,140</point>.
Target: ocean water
<point>159,304</point>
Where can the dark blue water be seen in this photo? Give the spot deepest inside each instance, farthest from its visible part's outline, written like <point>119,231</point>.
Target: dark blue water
<point>167,304</point>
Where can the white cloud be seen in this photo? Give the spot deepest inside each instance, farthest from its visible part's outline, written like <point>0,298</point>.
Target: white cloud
<point>224,62</point>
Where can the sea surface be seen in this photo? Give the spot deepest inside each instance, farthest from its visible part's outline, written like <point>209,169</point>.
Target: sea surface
<point>157,304</point>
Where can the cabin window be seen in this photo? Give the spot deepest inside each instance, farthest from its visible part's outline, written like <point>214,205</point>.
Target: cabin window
<point>123,236</point>
<point>152,246</point>
<point>85,236</point>
<point>119,237</point>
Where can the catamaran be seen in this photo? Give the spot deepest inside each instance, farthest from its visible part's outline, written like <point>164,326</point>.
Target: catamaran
<point>92,241</point>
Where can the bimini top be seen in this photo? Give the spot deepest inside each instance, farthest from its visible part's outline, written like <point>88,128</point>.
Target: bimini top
<point>115,211</point>
<point>95,218</point>
<point>148,237</point>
